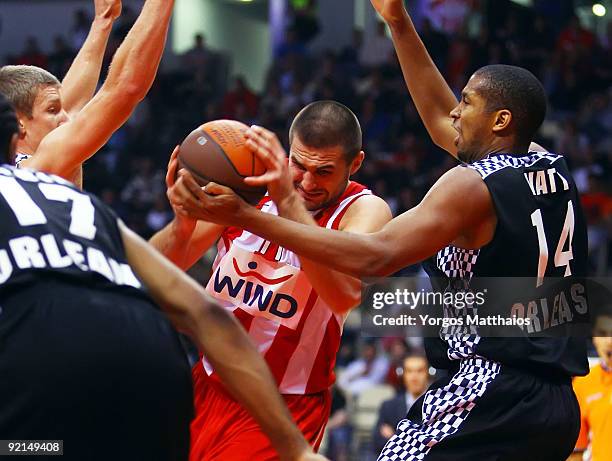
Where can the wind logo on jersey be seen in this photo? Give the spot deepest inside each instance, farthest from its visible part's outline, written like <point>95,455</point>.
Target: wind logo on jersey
<point>253,265</point>
<point>262,288</point>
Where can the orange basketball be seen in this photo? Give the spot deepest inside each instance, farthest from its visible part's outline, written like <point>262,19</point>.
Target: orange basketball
<point>217,151</point>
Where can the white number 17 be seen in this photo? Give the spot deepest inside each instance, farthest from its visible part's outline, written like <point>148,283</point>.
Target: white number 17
<point>28,213</point>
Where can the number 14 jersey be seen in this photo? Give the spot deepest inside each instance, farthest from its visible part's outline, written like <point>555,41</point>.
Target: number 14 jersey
<point>540,235</point>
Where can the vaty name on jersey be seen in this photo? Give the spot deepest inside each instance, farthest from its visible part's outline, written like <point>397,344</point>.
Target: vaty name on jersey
<point>49,226</point>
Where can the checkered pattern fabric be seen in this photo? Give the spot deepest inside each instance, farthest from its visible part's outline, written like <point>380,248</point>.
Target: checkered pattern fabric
<point>457,263</point>
<point>496,162</point>
<point>20,158</point>
<point>461,346</point>
<point>444,411</point>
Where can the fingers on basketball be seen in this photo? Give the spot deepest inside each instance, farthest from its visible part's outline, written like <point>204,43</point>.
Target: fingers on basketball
<point>172,167</point>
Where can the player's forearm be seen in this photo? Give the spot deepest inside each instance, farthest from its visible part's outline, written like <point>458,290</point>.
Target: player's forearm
<point>79,84</point>
<point>431,94</point>
<point>247,377</point>
<point>358,255</point>
<point>340,291</point>
<point>173,241</point>
<point>136,61</point>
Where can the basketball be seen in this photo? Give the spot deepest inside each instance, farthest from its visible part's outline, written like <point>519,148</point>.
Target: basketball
<point>217,152</point>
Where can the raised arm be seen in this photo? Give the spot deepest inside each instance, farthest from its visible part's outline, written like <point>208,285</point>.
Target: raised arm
<point>130,76</point>
<point>410,238</point>
<point>225,343</point>
<point>431,94</point>
<point>81,80</point>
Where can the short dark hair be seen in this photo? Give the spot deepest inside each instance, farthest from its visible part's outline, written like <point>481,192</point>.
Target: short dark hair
<point>8,127</point>
<point>20,84</point>
<point>324,124</point>
<point>517,90</point>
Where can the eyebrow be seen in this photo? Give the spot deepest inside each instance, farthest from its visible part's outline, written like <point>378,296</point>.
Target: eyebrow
<point>319,168</point>
<point>54,100</point>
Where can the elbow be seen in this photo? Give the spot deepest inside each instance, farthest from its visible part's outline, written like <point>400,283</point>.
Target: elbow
<point>207,314</point>
<point>379,263</point>
<point>133,91</point>
<point>126,90</point>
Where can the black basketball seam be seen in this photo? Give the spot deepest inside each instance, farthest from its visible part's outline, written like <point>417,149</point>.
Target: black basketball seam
<point>235,189</point>
<point>222,152</point>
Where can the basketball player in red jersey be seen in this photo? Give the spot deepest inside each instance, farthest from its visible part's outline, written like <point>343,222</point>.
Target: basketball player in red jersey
<point>292,308</point>
<point>60,124</point>
<point>483,218</point>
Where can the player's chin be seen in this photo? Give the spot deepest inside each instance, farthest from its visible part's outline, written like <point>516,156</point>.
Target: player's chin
<point>315,204</point>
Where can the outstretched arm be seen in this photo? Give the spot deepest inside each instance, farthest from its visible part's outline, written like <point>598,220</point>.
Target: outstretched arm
<point>431,94</point>
<point>410,238</point>
<point>217,333</point>
<point>130,76</point>
<point>79,84</point>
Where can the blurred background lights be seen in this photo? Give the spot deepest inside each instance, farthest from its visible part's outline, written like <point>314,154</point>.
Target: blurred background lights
<point>599,10</point>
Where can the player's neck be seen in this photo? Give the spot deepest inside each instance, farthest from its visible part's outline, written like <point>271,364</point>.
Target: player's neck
<point>24,148</point>
<point>507,147</point>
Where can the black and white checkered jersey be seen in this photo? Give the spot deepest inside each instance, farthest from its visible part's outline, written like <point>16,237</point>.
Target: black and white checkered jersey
<point>51,229</point>
<point>541,232</point>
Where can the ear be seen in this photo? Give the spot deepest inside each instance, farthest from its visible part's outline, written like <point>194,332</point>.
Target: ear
<point>356,163</point>
<point>503,119</point>
<point>22,129</point>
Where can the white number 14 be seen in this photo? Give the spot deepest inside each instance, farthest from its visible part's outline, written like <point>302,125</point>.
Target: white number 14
<point>562,258</point>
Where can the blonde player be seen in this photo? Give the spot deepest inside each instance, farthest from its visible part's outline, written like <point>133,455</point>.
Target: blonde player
<point>60,124</point>
<point>292,308</point>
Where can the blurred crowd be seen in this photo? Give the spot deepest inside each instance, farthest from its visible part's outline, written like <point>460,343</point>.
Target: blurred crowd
<point>573,63</point>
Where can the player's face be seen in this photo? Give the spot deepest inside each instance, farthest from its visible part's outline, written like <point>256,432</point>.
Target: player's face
<point>416,375</point>
<point>320,175</point>
<point>47,115</point>
<point>602,338</point>
<point>473,123</point>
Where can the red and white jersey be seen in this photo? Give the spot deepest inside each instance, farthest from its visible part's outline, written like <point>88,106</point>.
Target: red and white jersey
<point>264,287</point>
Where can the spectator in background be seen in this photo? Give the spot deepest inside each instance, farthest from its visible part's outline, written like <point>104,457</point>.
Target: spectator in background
<point>32,54</point>
<point>377,49</point>
<point>80,29</point>
<point>365,372</point>
<point>398,350</point>
<point>159,215</point>
<point>61,57</point>
<point>594,391</point>
<point>146,185</point>
<point>415,378</point>
<point>575,37</point>
<point>198,57</point>
<point>240,99</point>
<point>436,42</point>
<point>339,431</point>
